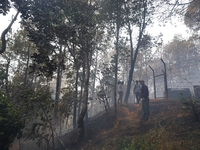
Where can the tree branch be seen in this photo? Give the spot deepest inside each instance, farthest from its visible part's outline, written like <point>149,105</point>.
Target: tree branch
<point>3,39</point>
<point>177,3</point>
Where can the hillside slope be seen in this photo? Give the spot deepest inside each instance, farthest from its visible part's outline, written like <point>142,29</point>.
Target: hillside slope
<point>169,127</point>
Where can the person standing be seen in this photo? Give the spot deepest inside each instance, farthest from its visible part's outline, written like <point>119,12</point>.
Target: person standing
<point>145,100</point>
<point>120,91</point>
<point>136,91</point>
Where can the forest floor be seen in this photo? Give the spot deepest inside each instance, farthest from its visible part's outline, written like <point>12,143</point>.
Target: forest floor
<point>169,127</point>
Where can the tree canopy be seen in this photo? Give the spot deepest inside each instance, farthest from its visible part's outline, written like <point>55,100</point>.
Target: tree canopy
<point>76,51</point>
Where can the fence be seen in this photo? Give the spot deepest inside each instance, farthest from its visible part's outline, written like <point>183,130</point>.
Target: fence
<point>173,79</point>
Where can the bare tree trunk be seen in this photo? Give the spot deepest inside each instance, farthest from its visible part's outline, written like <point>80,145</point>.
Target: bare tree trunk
<point>58,83</point>
<point>3,35</point>
<point>36,84</point>
<point>7,69</point>
<point>142,26</point>
<point>27,65</point>
<point>75,100</point>
<point>82,84</point>
<point>93,87</point>
<point>86,114</point>
<point>32,78</point>
<point>85,101</point>
<point>116,61</point>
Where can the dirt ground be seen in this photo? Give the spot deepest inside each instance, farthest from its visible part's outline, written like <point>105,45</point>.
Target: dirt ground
<point>104,129</point>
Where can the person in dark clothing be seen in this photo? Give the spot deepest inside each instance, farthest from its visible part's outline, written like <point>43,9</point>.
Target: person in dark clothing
<point>145,100</point>
<point>120,91</point>
<point>136,91</point>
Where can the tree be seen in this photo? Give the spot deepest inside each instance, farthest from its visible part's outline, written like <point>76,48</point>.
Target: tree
<point>52,24</point>
<point>38,105</point>
<point>181,57</point>
<point>11,122</point>
<point>8,56</point>
<point>144,57</point>
<point>48,30</point>
<point>142,24</point>
<point>3,35</point>
<point>5,5</point>
<point>192,16</point>
<point>24,49</point>
<point>87,34</point>
<point>114,15</point>
<point>18,60</point>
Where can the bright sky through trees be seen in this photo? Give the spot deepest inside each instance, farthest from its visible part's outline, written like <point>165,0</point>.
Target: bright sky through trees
<point>168,30</point>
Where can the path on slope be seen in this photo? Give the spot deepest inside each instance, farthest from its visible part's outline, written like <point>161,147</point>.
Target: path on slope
<point>104,128</point>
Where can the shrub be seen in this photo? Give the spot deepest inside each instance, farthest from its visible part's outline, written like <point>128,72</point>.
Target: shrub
<point>190,103</point>
<point>11,122</point>
<point>38,111</point>
<point>140,144</point>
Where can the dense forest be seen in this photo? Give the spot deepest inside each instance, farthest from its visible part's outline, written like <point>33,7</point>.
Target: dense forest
<point>63,65</point>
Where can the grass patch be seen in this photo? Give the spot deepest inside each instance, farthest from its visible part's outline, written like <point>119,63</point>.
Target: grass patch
<point>171,136</point>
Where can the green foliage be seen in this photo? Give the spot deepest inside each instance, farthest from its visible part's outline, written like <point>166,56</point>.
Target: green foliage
<point>11,122</point>
<point>6,5</point>
<point>65,103</point>
<point>190,103</point>
<point>128,144</point>
<point>38,111</point>
<point>3,77</point>
<point>35,102</point>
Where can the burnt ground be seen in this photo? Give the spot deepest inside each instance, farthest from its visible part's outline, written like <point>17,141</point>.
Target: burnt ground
<point>105,129</point>
<point>168,126</point>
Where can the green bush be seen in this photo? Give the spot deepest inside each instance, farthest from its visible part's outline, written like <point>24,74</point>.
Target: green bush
<point>140,144</point>
<point>38,109</point>
<point>11,123</point>
<point>190,103</point>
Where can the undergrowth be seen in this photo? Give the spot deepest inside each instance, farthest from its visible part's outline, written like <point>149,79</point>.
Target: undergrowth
<point>162,138</point>
<point>190,103</point>
<point>133,144</point>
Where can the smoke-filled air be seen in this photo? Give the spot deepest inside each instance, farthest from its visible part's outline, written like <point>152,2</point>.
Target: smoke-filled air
<point>99,74</point>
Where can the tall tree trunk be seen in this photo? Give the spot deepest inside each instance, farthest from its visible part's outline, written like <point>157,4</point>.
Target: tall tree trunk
<point>146,70</point>
<point>32,78</point>
<point>27,65</point>
<point>93,86</point>
<point>35,85</point>
<point>58,83</point>
<point>76,84</point>
<point>81,94</point>
<point>142,26</point>
<point>7,69</point>
<point>86,114</point>
<point>85,101</point>
<point>116,60</point>
<point>75,100</point>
